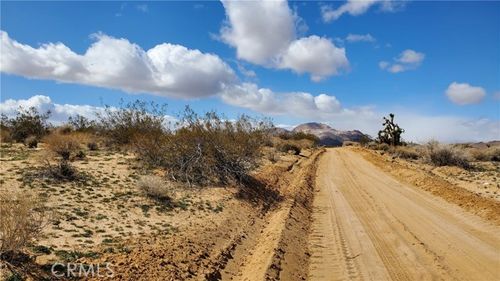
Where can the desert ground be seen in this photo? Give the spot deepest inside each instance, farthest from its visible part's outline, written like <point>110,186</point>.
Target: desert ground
<point>346,213</point>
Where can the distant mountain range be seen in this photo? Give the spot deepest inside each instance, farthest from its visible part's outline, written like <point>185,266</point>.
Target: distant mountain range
<point>327,135</point>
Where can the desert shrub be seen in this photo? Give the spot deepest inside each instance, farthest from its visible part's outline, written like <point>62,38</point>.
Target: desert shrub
<point>5,132</point>
<point>122,125</point>
<point>31,142</point>
<point>288,147</point>
<point>63,145</point>
<point>153,147</point>
<point>22,218</point>
<point>350,143</point>
<point>92,146</point>
<point>300,136</point>
<point>80,123</point>
<point>64,130</point>
<point>445,155</point>
<point>378,146</point>
<point>62,170</point>
<point>486,154</point>
<point>27,122</point>
<point>205,149</point>
<point>155,187</point>
<point>406,152</point>
<point>80,155</point>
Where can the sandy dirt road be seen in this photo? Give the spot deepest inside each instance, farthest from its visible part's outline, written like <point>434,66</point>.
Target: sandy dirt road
<point>368,226</point>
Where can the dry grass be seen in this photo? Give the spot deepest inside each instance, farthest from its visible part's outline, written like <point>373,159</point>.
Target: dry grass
<point>485,154</point>
<point>155,187</point>
<point>23,217</point>
<point>64,145</point>
<point>406,152</point>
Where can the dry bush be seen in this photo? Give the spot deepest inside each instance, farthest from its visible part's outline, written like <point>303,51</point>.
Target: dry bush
<point>406,152</point>
<point>31,142</point>
<point>63,145</point>
<point>205,149</point>
<point>350,143</point>
<point>485,154</point>
<point>445,155</point>
<point>300,136</point>
<point>378,146</point>
<point>289,148</point>
<point>155,187</point>
<point>122,125</point>
<point>22,219</point>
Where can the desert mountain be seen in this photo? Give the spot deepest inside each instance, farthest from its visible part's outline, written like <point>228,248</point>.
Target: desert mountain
<point>329,136</point>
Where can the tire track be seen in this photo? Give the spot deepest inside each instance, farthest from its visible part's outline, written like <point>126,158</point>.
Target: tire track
<point>368,226</point>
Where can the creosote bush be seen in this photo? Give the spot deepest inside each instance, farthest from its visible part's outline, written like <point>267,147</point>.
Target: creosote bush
<point>121,125</point>
<point>205,149</point>
<point>22,219</point>
<point>27,122</point>
<point>445,155</point>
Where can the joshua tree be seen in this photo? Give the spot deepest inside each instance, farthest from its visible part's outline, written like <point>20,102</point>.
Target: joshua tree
<point>391,134</point>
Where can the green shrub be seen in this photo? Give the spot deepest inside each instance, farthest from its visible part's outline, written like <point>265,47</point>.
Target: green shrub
<point>27,122</point>
<point>80,123</point>
<point>205,149</point>
<point>122,125</point>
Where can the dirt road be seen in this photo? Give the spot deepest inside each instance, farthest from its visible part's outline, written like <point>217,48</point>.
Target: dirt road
<point>368,226</point>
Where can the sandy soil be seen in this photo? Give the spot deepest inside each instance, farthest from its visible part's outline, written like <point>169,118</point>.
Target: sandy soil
<point>367,225</point>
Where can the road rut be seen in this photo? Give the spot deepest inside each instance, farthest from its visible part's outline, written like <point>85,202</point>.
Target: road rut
<point>368,226</point>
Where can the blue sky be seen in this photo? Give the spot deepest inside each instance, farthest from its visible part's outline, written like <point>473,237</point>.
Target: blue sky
<point>436,64</point>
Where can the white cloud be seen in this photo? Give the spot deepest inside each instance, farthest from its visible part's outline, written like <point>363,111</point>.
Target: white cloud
<point>410,57</point>
<point>59,112</point>
<point>407,60</point>
<point>264,33</point>
<point>315,55</point>
<point>250,96</point>
<point>359,7</point>
<point>463,93</point>
<point>360,38</point>
<point>352,7</point>
<point>166,69</point>
<point>258,29</point>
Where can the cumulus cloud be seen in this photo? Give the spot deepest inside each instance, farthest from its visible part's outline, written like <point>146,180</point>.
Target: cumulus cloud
<point>360,38</point>
<point>358,7</point>
<point>258,29</point>
<point>59,112</point>
<point>264,33</point>
<point>167,69</point>
<point>296,104</point>
<point>463,93</point>
<point>407,60</point>
<point>315,55</point>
